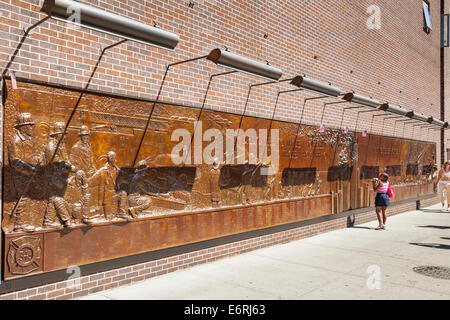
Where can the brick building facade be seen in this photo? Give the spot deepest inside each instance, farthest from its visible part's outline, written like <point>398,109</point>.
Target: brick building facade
<point>396,61</point>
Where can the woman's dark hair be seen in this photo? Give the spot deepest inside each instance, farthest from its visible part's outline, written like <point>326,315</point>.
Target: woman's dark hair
<point>446,163</point>
<point>385,175</point>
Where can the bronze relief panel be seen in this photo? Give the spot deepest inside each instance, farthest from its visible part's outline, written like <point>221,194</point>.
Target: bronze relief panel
<point>91,179</point>
<point>97,178</point>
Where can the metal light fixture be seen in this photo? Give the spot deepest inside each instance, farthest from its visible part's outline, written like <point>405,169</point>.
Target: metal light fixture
<point>361,100</point>
<point>437,122</point>
<point>417,116</point>
<point>103,21</point>
<point>314,85</point>
<point>394,109</point>
<point>240,63</point>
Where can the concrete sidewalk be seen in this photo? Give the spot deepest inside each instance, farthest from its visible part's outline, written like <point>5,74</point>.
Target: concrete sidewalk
<point>343,264</point>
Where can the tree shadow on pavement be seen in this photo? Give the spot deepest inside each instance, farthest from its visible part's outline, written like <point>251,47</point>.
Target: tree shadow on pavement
<point>432,245</point>
<point>435,227</point>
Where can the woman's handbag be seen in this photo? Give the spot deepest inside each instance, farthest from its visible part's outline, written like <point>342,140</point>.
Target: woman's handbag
<point>390,192</point>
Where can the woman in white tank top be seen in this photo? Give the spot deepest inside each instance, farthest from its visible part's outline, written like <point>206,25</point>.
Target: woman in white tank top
<point>443,185</point>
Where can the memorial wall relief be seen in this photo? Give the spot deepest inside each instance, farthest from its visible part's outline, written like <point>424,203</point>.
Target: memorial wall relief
<point>103,195</point>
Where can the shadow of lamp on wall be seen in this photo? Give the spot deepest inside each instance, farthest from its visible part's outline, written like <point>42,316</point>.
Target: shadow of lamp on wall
<point>327,89</point>
<point>361,102</point>
<point>226,59</point>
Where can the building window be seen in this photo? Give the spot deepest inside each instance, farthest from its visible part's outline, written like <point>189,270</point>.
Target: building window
<point>427,27</point>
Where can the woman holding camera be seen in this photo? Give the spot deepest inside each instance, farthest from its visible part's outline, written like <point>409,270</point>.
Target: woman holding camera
<point>382,187</point>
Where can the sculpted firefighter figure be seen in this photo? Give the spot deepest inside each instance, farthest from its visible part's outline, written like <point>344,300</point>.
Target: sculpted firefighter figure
<point>57,158</point>
<point>23,161</point>
<point>177,188</point>
<point>271,190</point>
<point>214,183</point>
<point>140,191</point>
<point>81,154</point>
<point>58,170</point>
<point>226,180</point>
<point>113,200</point>
<point>247,179</point>
<point>73,205</point>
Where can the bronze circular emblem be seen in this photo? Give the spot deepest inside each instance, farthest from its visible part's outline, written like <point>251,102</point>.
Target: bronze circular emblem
<point>25,255</point>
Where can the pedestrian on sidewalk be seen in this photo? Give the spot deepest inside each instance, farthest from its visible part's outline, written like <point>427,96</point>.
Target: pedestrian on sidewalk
<point>381,186</point>
<point>443,185</point>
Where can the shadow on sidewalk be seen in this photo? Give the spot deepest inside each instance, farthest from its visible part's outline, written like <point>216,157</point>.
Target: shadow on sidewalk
<point>433,211</point>
<point>444,238</point>
<point>351,223</point>
<point>435,227</point>
<point>432,245</point>
<point>357,227</point>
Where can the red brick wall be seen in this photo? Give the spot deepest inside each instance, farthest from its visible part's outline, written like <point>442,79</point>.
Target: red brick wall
<point>397,63</point>
<point>139,272</point>
<point>326,40</point>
